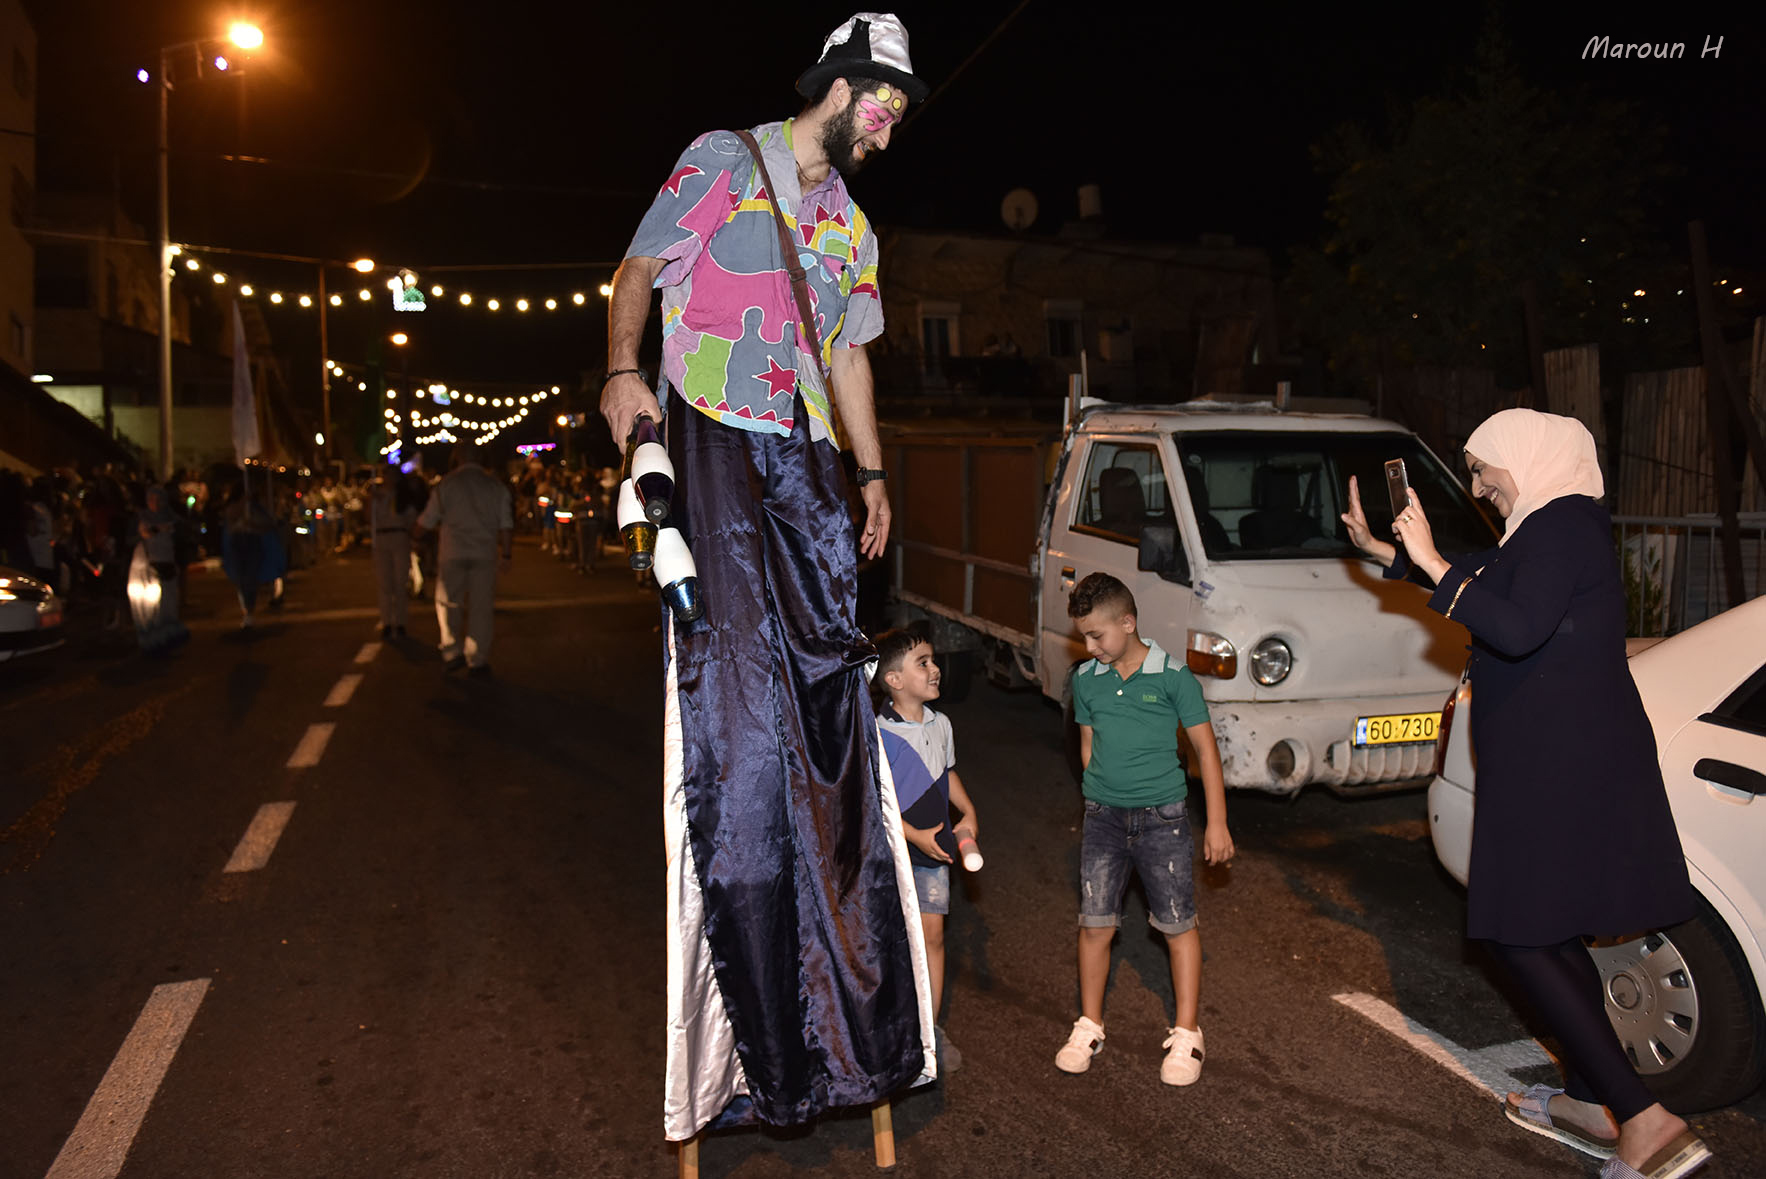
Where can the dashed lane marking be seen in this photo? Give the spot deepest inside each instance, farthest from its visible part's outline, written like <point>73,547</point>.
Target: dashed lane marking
<point>106,1130</point>
<point>311,747</point>
<point>260,837</point>
<point>342,690</point>
<point>1489,1068</point>
<point>367,653</point>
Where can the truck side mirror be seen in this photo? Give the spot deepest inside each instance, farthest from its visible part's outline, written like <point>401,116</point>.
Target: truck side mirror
<point>1161,552</point>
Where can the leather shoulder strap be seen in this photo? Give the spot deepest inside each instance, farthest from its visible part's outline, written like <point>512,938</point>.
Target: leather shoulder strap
<point>799,282</point>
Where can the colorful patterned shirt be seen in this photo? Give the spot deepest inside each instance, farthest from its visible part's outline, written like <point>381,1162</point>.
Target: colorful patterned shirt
<point>730,340</point>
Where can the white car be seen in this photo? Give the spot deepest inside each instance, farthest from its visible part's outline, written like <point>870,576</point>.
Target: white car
<point>30,615</point>
<point>1685,1001</point>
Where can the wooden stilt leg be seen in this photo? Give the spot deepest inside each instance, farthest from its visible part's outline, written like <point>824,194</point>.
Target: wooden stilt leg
<point>883,1133</point>
<point>689,1156</point>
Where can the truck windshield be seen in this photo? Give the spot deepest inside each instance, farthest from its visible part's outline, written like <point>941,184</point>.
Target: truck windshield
<point>1261,494</point>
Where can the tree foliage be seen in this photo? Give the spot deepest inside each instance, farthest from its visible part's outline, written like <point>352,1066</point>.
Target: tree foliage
<point>1473,194</point>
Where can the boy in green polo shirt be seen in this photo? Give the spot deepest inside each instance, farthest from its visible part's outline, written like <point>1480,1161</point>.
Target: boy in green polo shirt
<point>1130,699</point>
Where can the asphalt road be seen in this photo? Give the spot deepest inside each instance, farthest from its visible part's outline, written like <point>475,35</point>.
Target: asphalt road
<point>450,961</point>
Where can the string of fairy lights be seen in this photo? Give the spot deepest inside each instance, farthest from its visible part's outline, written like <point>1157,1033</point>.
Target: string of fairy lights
<point>440,424</point>
<point>409,294</point>
<point>443,422</point>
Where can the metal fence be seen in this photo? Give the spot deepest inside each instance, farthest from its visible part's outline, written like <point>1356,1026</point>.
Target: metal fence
<point>1674,572</point>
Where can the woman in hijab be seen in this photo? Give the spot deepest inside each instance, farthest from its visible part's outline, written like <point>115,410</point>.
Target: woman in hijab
<point>1573,836</point>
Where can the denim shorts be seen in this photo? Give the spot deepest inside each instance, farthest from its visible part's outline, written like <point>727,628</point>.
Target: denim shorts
<point>932,886</point>
<point>1154,841</point>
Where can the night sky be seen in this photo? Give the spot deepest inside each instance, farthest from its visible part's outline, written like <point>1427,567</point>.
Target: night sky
<point>440,132</point>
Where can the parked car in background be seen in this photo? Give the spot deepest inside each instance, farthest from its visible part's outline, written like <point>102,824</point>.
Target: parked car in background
<point>30,615</point>
<point>1685,1001</point>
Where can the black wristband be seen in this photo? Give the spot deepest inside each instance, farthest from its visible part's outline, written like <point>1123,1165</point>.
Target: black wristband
<point>871,475</point>
<point>622,372</point>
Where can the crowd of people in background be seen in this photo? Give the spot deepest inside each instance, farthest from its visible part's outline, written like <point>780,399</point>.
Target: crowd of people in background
<point>117,544</point>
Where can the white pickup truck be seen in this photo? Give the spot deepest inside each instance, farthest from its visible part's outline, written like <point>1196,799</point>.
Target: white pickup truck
<point>1315,668</point>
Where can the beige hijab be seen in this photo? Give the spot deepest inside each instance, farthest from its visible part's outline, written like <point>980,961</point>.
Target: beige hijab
<point>1548,457</point>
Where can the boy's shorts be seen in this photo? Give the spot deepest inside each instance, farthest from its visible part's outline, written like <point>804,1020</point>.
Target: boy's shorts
<point>932,886</point>
<point>1154,841</point>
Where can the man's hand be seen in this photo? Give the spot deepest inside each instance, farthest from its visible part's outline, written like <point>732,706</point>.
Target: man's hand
<point>875,536</point>
<point>624,397</point>
<point>622,400</point>
<point>925,838</point>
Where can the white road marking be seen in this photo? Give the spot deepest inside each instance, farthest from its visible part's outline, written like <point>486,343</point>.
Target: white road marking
<point>311,747</point>
<point>1489,1069</point>
<point>260,837</point>
<point>367,653</point>
<point>342,690</point>
<point>106,1130</point>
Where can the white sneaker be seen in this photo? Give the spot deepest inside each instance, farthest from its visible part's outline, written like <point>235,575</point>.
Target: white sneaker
<point>1083,1043</point>
<point>1183,1061</point>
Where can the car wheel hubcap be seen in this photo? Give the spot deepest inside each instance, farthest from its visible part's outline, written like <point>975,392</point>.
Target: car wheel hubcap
<point>1651,1000</point>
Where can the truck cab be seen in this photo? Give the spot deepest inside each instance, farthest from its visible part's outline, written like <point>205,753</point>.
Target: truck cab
<point>1224,522</point>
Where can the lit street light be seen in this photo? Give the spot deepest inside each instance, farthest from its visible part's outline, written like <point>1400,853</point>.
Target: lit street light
<point>245,36</point>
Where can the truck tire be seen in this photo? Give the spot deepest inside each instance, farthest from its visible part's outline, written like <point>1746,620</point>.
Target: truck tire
<point>1710,995</point>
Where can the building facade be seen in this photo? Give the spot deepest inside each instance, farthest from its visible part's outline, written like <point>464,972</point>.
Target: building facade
<point>1008,316</point>
<point>18,168</point>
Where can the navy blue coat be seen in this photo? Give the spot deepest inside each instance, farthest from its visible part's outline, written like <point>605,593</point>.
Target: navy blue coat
<point>1573,835</point>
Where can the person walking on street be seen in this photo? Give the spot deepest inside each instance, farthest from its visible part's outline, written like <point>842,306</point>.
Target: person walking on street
<point>1571,839</point>
<point>251,549</point>
<point>392,513</point>
<point>781,854</point>
<point>472,511</point>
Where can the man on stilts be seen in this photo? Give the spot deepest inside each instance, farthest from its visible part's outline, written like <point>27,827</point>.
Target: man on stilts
<point>797,978</point>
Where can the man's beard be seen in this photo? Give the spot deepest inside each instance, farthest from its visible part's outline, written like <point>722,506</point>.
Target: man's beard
<point>840,141</point>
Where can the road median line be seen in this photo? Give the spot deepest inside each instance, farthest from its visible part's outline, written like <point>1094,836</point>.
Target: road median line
<point>102,1137</point>
<point>260,837</point>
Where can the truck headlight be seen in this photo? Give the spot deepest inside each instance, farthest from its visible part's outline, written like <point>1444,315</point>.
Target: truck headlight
<point>1211,655</point>
<point>1271,661</point>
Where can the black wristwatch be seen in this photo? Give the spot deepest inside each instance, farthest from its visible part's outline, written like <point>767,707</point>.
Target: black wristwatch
<point>871,475</point>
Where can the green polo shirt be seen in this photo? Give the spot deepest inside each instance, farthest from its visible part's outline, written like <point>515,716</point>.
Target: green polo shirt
<point>1134,723</point>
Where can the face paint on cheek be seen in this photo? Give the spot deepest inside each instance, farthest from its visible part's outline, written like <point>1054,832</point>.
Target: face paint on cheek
<point>874,116</point>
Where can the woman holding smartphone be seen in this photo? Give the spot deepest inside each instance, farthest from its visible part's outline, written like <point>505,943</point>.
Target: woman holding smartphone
<point>1573,835</point>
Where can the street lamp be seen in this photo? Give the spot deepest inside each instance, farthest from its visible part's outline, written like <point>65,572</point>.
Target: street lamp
<point>245,36</point>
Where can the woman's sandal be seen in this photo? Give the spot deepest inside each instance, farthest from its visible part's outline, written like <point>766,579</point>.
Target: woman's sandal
<point>1532,1114</point>
<point>1683,1156</point>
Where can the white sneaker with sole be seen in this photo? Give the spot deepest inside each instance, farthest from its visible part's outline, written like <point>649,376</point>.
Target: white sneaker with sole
<point>1083,1042</point>
<point>1183,1058</point>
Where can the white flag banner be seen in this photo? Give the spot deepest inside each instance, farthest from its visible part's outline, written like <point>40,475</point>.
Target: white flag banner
<point>246,443</point>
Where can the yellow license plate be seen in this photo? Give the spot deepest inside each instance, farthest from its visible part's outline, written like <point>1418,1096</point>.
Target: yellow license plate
<point>1397,728</point>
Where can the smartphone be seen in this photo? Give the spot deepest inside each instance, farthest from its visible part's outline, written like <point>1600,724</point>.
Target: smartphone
<point>1397,486</point>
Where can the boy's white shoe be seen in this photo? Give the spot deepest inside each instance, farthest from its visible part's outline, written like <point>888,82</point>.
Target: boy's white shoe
<point>1083,1043</point>
<point>1183,1060</point>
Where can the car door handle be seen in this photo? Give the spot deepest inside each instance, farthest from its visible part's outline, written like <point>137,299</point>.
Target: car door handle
<point>1727,773</point>
<point>1066,577</point>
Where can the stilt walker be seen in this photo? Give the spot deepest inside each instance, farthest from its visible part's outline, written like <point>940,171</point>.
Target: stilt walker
<point>797,974</point>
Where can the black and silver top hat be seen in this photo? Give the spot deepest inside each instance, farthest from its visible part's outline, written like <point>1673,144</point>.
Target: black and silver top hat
<point>869,45</point>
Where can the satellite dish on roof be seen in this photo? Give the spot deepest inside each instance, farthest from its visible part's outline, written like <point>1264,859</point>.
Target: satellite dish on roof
<point>1019,209</point>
